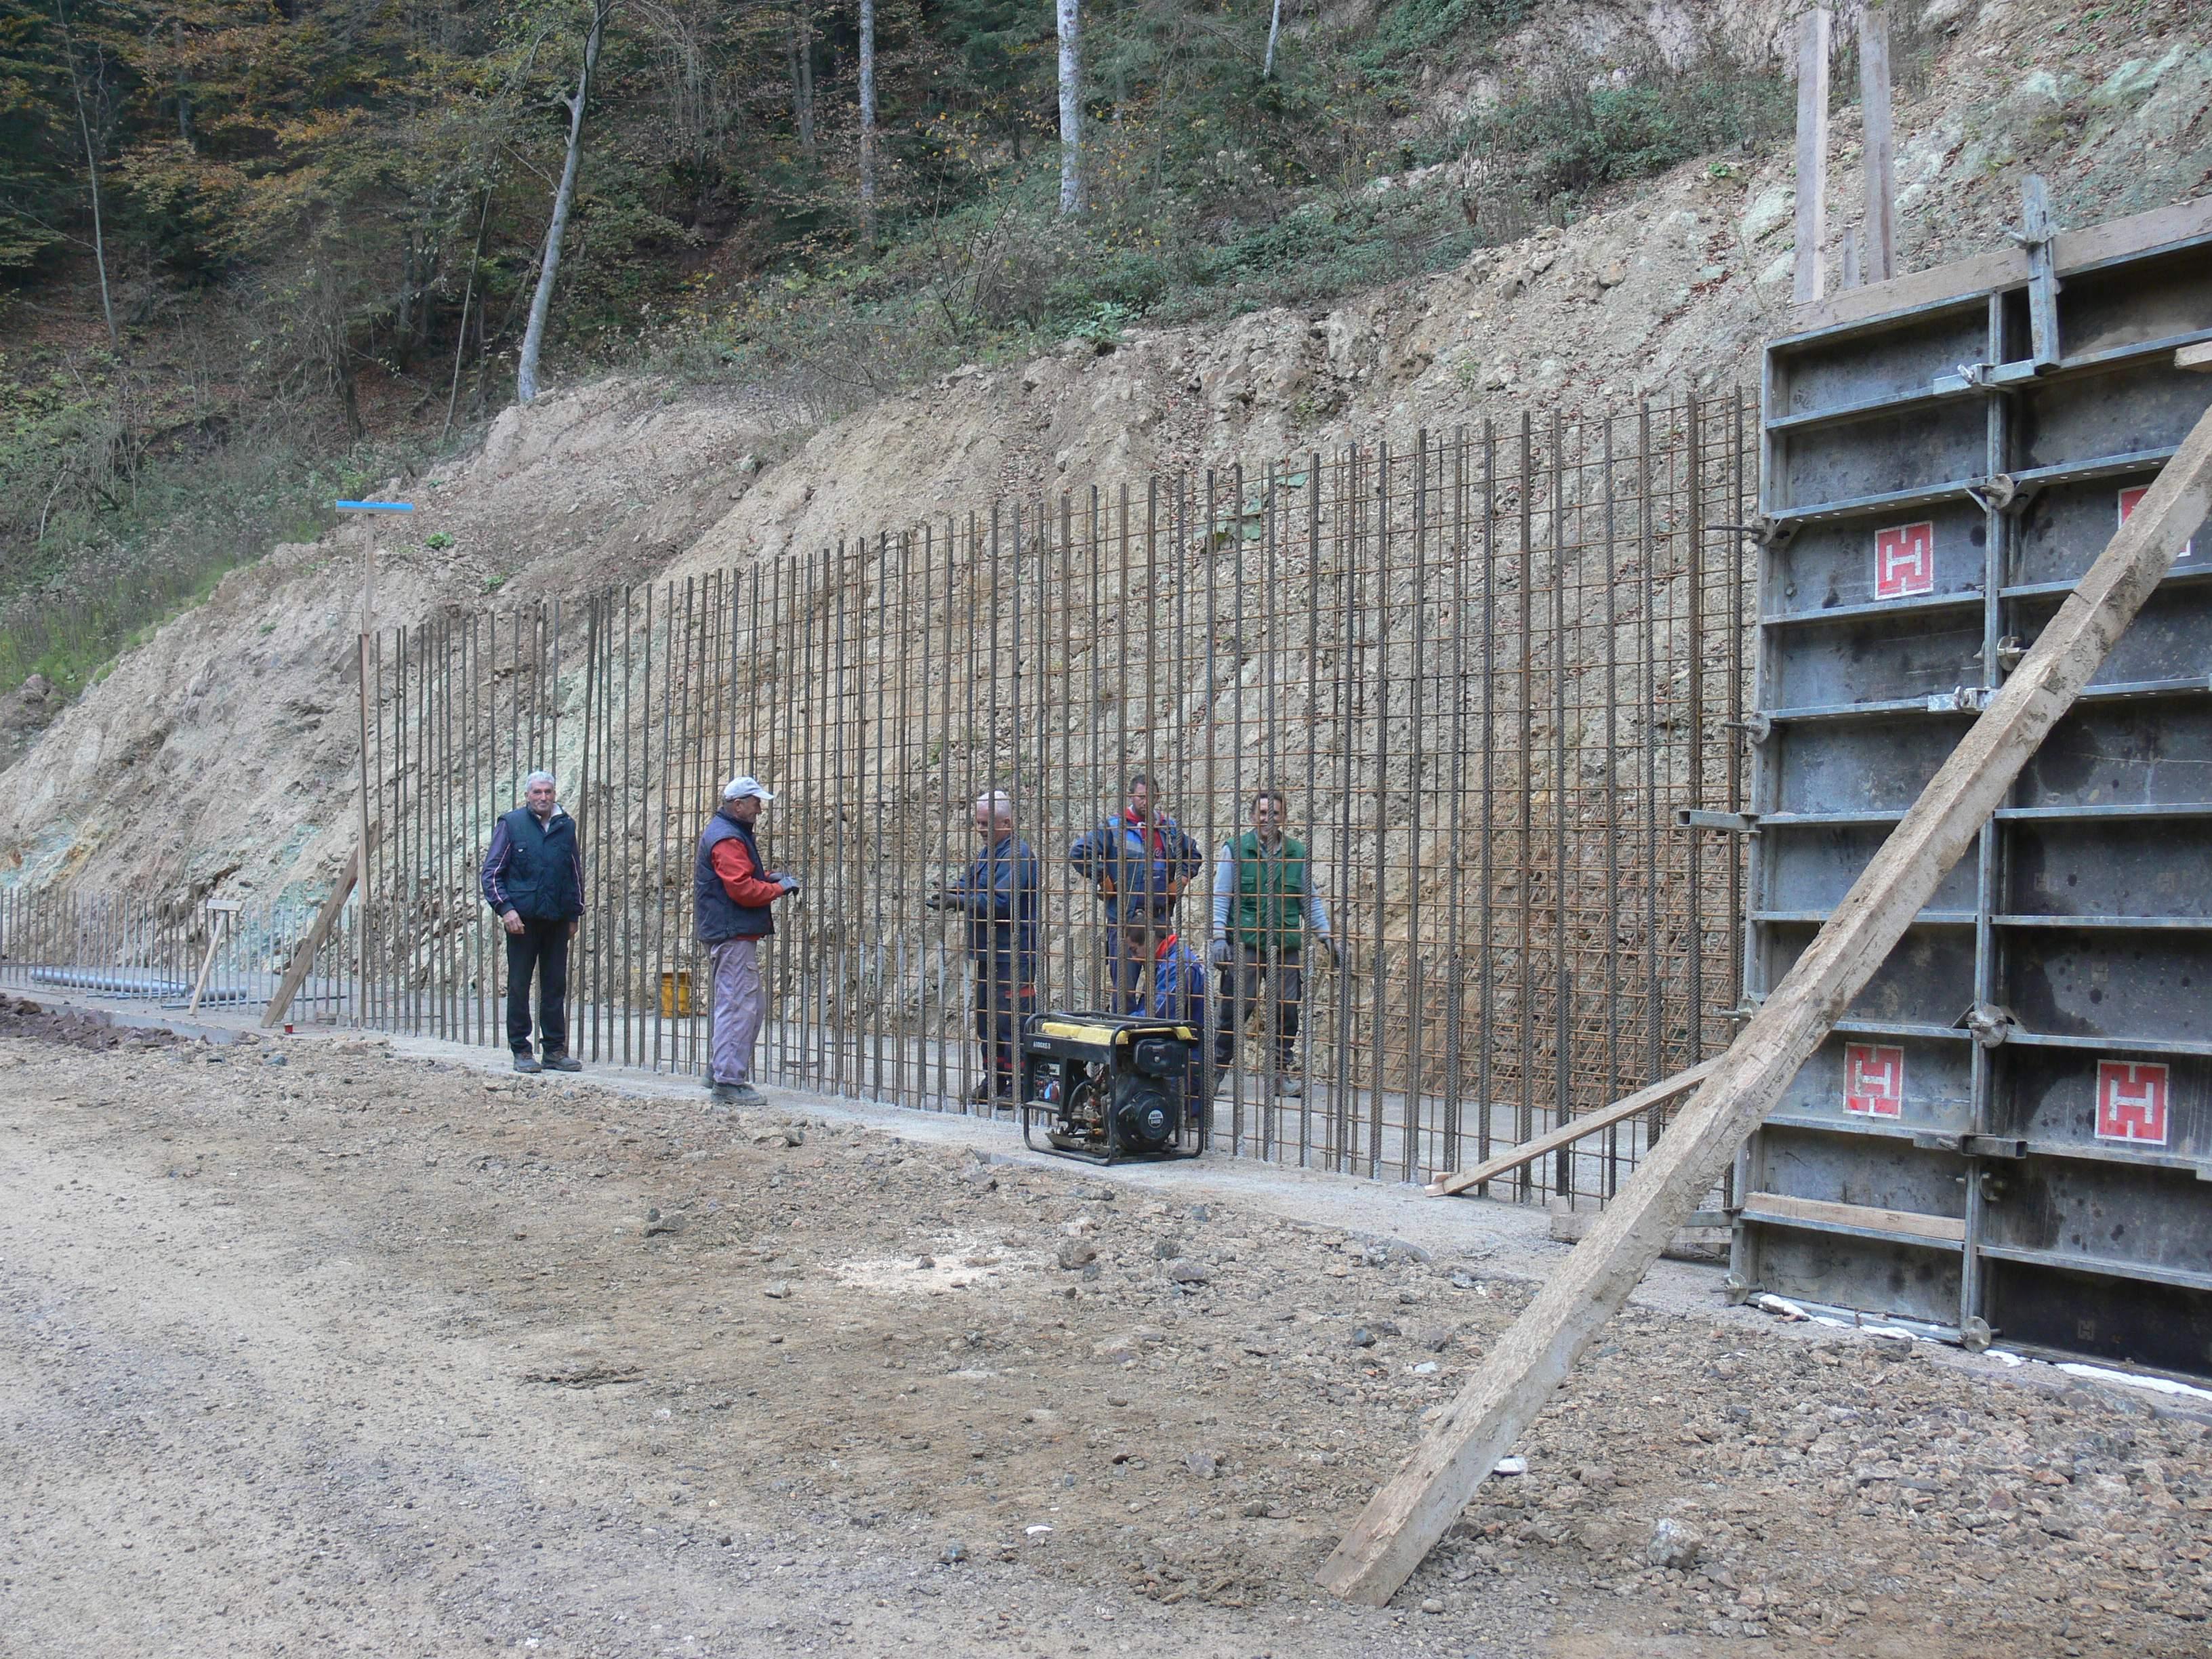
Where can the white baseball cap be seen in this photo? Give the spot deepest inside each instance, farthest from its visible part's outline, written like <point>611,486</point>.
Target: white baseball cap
<point>739,788</point>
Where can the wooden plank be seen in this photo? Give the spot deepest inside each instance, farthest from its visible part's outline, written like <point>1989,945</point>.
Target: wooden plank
<point>1567,1133</point>
<point>1907,1223</point>
<point>2006,267</point>
<point>1404,1520</point>
<point>2197,357</point>
<point>1812,152</point>
<point>1878,246</point>
<point>2038,236</point>
<point>1572,1226</point>
<point>222,910</point>
<point>303,957</point>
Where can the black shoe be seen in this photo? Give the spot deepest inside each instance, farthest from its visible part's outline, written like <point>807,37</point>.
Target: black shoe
<point>557,1060</point>
<point>525,1062</point>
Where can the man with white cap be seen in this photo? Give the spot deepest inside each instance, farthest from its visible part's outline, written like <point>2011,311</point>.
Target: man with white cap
<point>731,889</point>
<point>533,880</point>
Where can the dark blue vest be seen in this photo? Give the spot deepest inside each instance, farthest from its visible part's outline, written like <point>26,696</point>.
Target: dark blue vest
<point>541,872</point>
<point>719,916</point>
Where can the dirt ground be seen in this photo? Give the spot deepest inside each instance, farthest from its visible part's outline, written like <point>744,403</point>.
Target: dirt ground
<point>375,1353</point>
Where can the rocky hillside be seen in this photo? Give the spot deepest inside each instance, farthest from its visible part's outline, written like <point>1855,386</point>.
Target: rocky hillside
<point>232,729</point>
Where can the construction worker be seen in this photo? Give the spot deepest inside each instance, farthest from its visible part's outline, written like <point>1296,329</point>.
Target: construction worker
<point>1178,991</point>
<point>533,880</point>
<point>999,896</point>
<point>1140,860</point>
<point>731,889</point>
<point>1264,900</point>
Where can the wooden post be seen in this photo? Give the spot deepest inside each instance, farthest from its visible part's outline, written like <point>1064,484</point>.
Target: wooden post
<point>1851,260</point>
<point>362,847</point>
<point>303,954</point>
<point>1812,152</point>
<point>1404,1520</point>
<point>1878,249</point>
<point>222,910</point>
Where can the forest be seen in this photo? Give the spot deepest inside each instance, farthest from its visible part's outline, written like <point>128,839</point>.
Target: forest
<point>251,249</point>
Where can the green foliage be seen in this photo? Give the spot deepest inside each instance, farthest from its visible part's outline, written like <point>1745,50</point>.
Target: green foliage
<point>1409,29</point>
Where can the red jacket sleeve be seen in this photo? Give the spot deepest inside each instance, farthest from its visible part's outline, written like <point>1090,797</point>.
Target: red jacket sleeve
<point>738,881</point>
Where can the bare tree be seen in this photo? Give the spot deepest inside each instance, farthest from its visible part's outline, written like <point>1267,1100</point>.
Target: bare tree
<point>1071,107</point>
<point>564,196</point>
<point>91,170</point>
<point>868,122</point>
<point>802,75</point>
<point>1274,30</point>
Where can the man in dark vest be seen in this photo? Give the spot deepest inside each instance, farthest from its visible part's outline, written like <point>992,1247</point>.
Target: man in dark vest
<point>731,889</point>
<point>533,880</point>
<point>1264,900</point>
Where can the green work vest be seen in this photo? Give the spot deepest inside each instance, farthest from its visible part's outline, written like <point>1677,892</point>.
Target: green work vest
<point>1271,892</point>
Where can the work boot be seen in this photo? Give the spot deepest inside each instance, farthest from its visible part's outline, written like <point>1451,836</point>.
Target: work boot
<point>1288,1087</point>
<point>524,1062</point>
<point>558,1059</point>
<point>724,1094</point>
<point>746,1096</point>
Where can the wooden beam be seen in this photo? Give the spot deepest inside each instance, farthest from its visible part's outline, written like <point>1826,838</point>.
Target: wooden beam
<point>2197,357</point>
<point>1566,1134</point>
<point>1404,1520</point>
<point>1878,247</point>
<point>222,910</point>
<point>2006,267</point>
<point>303,955</point>
<point>1812,152</point>
<point>1907,1224</point>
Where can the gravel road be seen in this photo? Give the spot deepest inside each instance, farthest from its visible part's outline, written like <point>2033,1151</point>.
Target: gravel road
<point>365,1352</point>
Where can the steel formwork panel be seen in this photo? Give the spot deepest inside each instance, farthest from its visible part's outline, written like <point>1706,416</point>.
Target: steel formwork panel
<point>2010,1131</point>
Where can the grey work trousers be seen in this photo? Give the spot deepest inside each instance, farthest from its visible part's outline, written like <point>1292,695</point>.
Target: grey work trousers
<point>739,1007</point>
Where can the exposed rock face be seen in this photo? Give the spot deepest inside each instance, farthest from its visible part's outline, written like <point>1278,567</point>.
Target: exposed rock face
<point>236,725</point>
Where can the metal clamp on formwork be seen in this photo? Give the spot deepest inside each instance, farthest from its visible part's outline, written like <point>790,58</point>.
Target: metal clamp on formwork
<point>1762,529</point>
<point>1961,699</point>
<point>1735,823</point>
<point>1989,1024</point>
<point>1967,377</point>
<point>1756,726</point>
<point>1995,493</point>
<point>2010,649</point>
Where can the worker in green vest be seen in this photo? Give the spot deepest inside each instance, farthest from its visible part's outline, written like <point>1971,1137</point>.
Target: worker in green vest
<point>1264,902</point>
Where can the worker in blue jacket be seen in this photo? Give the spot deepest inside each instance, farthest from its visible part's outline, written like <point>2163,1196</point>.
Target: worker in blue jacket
<point>999,896</point>
<point>1176,991</point>
<point>1140,860</point>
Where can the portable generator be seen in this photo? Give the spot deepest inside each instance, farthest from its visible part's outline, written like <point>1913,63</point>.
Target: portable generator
<point>1103,1088</point>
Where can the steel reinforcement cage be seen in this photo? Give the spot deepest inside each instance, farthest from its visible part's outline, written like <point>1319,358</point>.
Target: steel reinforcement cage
<point>1489,670</point>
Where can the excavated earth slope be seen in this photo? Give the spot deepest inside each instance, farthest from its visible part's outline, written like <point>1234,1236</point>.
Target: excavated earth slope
<point>233,728</point>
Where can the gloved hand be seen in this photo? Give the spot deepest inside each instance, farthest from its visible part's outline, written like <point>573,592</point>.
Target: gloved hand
<point>1106,887</point>
<point>790,883</point>
<point>1335,955</point>
<point>937,902</point>
<point>1219,954</point>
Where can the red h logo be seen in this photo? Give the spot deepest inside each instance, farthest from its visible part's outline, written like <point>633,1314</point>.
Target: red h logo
<point>1904,560</point>
<point>2131,1102</point>
<point>2128,500</point>
<point>1873,1080</point>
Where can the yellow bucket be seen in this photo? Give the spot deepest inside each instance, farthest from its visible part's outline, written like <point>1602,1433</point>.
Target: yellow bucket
<point>675,993</point>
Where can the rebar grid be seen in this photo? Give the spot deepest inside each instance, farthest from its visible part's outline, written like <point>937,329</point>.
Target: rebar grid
<point>1486,668</point>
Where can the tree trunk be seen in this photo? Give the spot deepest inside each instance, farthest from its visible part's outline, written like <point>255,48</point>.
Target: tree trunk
<point>868,123</point>
<point>1274,30</point>
<point>802,75</point>
<point>91,176</point>
<point>1071,107</point>
<point>468,294</point>
<point>533,335</point>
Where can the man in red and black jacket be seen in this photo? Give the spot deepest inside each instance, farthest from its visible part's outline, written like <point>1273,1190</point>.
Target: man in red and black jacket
<point>731,889</point>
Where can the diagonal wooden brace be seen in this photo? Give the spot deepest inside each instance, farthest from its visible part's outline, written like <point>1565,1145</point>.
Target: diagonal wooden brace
<point>1403,1521</point>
